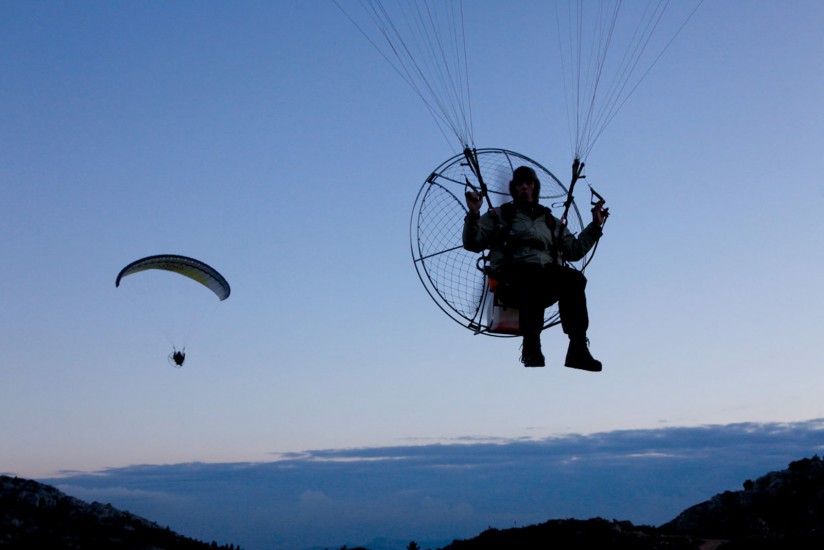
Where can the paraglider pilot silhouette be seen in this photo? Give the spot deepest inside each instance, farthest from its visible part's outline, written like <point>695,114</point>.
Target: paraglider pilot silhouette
<point>528,248</point>
<point>177,357</point>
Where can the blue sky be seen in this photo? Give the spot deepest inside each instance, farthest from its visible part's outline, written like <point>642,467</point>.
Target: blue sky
<point>270,140</point>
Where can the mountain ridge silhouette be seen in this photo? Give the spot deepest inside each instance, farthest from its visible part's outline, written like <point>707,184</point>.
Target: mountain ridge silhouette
<point>781,509</point>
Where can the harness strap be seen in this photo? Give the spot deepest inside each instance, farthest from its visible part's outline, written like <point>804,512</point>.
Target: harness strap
<point>505,232</point>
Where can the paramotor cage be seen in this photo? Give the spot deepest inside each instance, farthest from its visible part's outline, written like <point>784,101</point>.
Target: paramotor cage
<point>454,277</point>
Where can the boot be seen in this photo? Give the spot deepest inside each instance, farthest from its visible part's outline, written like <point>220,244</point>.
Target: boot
<point>531,355</point>
<point>578,356</point>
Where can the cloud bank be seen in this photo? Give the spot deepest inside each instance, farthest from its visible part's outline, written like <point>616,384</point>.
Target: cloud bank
<point>435,493</point>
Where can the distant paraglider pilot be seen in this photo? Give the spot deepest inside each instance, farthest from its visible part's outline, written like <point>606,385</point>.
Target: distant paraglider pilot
<point>528,250</point>
<point>177,357</point>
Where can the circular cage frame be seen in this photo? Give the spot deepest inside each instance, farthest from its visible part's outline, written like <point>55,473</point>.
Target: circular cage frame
<point>453,276</point>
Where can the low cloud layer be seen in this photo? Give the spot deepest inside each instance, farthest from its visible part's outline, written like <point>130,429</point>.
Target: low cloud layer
<point>439,492</point>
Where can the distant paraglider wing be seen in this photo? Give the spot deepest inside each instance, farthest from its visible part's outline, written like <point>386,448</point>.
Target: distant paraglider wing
<point>188,267</point>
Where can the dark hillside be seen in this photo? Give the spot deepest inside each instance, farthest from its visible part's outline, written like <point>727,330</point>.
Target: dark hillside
<point>571,533</point>
<point>33,515</point>
<point>781,510</point>
<point>784,507</point>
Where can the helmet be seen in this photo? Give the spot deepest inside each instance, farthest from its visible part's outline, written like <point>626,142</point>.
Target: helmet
<point>524,173</point>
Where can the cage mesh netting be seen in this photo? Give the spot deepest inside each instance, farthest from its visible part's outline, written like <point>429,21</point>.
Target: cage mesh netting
<point>453,276</point>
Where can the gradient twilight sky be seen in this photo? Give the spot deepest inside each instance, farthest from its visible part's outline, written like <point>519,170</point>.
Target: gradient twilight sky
<point>270,140</point>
